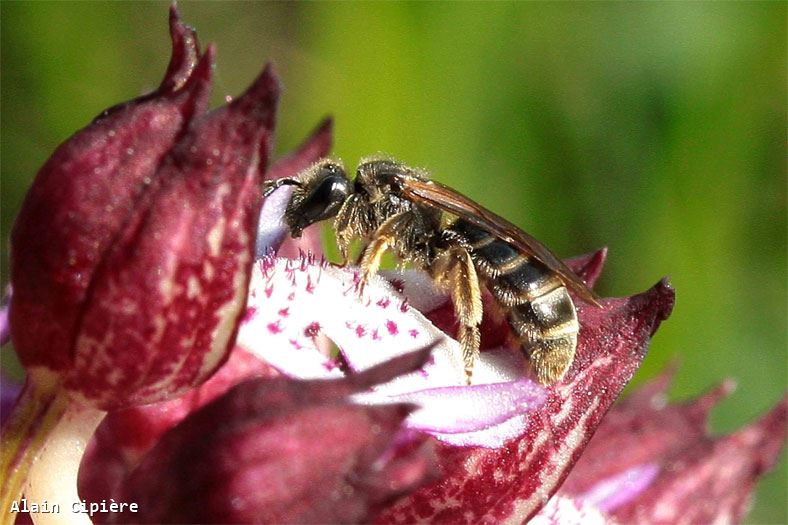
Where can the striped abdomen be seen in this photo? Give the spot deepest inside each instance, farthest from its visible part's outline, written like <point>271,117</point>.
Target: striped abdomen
<point>538,306</point>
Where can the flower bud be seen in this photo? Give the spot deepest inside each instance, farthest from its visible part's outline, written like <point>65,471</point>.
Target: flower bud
<point>131,255</point>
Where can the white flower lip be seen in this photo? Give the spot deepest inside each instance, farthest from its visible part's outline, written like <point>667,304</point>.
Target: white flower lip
<point>292,302</point>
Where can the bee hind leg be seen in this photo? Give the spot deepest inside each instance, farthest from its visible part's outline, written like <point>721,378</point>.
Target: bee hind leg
<point>455,270</point>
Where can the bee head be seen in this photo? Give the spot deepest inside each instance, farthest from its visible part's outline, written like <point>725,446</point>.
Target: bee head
<point>319,193</point>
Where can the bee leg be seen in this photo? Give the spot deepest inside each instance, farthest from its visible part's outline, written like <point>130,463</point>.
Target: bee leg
<point>457,272</point>
<point>271,186</point>
<point>370,259</point>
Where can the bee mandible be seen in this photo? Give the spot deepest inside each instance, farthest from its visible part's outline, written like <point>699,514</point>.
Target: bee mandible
<point>462,245</point>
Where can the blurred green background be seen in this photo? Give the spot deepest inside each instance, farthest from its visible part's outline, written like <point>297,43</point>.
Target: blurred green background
<point>657,129</point>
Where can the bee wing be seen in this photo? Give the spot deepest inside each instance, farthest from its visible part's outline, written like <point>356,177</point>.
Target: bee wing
<point>441,196</point>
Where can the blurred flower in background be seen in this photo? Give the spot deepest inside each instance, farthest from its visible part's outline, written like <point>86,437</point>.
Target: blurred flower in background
<point>658,130</point>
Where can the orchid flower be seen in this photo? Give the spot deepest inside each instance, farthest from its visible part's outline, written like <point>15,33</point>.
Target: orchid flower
<point>234,375</point>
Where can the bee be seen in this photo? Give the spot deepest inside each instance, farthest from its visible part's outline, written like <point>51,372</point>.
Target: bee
<point>462,245</point>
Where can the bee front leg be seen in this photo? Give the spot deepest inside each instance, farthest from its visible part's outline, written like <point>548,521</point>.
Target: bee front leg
<point>456,271</point>
<point>384,237</point>
<point>370,259</point>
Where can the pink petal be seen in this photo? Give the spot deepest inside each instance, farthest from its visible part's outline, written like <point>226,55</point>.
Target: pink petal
<point>442,416</point>
<point>611,493</point>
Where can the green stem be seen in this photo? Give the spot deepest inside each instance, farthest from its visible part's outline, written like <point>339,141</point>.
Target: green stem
<point>43,442</point>
<point>39,408</point>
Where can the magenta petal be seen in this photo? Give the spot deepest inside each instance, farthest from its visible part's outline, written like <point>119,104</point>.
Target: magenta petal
<point>281,451</point>
<point>640,430</point>
<point>514,482</point>
<point>185,53</point>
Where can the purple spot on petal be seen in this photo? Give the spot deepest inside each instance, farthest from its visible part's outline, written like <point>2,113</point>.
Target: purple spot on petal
<point>391,326</point>
<point>284,312</point>
<point>250,313</point>
<point>360,331</point>
<point>269,290</point>
<point>383,303</point>
<point>291,296</point>
<point>312,329</point>
<point>330,365</point>
<point>310,286</point>
<point>274,328</point>
<point>413,332</point>
<point>403,306</point>
<point>267,264</point>
<point>295,344</point>
<point>375,335</point>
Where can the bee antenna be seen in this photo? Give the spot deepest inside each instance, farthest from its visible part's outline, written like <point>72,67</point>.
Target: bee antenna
<point>271,186</point>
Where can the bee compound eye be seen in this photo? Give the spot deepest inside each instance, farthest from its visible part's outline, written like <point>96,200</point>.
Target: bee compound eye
<point>323,199</point>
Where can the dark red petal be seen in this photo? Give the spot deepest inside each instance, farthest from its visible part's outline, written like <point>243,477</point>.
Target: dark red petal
<point>167,299</point>
<point>712,480</point>
<point>279,451</point>
<point>641,430</point>
<point>78,203</point>
<point>588,267</point>
<point>315,147</point>
<point>126,435</point>
<point>700,479</point>
<point>185,53</point>
<point>512,483</point>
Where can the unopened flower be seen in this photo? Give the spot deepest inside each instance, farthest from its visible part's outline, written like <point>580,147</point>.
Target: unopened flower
<point>131,256</point>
